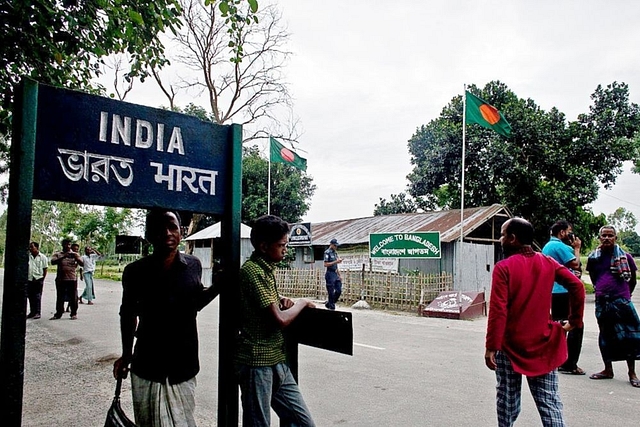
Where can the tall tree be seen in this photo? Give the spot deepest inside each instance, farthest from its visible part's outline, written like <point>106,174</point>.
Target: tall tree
<point>251,91</point>
<point>622,220</point>
<point>548,169</point>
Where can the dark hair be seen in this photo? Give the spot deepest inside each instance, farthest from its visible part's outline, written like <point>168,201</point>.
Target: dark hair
<point>65,241</point>
<point>156,216</point>
<point>36,245</point>
<point>522,229</point>
<point>559,226</point>
<point>268,229</point>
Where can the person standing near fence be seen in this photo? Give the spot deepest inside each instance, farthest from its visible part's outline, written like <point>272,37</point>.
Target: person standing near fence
<point>260,361</point>
<point>38,265</point>
<point>332,275</point>
<point>89,258</point>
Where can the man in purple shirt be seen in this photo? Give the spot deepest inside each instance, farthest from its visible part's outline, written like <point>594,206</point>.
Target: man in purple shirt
<point>613,274</point>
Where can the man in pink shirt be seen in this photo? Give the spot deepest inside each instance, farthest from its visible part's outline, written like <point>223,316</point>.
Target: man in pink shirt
<point>521,337</point>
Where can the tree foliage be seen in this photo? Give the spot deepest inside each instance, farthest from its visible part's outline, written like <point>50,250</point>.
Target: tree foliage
<point>62,42</point>
<point>291,189</point>
<point>622,220</point>
<point>548,169</point>
<point>625,223</point>
<point>399,203</point>
<point>236,17</point>
<point>87,225</point>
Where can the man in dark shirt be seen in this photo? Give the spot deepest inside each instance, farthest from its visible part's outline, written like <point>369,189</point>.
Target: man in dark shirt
<point>162,295</point>
<point>332,275</point>
<point>67,262</point>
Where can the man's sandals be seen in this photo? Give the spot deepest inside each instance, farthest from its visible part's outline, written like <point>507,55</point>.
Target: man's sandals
<point>600,376</point>
<point>635,382</point>
<point>576,371</point>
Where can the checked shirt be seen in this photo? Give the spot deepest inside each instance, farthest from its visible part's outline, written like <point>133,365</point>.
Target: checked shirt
<point>260,341</point>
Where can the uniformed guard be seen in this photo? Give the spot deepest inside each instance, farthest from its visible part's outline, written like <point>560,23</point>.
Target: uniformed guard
<point>332,276</point>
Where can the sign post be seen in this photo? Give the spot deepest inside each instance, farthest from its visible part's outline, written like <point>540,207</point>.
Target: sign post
<point>79,148</point>
<point>13,330</point>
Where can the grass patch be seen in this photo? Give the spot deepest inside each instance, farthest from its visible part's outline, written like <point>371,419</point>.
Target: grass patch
<point>588,288</point>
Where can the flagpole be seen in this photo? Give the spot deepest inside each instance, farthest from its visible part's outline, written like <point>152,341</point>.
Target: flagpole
<point>269,181</point>
<point>464,144</point>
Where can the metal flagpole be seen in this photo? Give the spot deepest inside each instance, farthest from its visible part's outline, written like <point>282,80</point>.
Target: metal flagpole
<point>464,145</point>
<point>269,181</point>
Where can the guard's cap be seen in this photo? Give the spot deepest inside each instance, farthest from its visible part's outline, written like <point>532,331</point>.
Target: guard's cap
<point>334,242</point>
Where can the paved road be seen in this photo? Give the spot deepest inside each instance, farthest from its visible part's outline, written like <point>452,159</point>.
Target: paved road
<point>406,371</point>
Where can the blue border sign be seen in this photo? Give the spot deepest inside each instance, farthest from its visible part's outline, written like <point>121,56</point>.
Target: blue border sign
<point>95,150</point>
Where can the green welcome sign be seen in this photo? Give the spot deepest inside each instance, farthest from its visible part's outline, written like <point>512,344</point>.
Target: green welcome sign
<point>405,245</point>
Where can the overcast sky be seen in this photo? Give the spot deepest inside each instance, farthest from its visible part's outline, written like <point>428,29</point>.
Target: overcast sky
<point>365,74</point>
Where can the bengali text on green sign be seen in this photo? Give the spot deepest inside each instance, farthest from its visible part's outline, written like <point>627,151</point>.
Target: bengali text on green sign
<point>405,245</point>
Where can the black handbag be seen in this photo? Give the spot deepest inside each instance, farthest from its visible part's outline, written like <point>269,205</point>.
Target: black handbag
<point>115,415</point>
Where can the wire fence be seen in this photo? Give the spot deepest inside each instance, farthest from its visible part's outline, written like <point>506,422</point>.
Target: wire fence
<point>381,290</point>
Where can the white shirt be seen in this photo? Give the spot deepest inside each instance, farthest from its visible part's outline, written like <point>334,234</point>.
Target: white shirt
<point>89,263</point>
<point>37,265</point>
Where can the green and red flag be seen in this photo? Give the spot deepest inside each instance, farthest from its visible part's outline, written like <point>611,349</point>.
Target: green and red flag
<point>281,154</point>
<point>485,114</point>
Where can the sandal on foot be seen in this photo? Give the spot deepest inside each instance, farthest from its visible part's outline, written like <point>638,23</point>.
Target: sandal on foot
<point>600,376</point>
<point>635,382</point>
<point>576,371</point>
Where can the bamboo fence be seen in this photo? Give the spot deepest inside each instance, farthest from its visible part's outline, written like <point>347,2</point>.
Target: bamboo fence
<point>381,290</point>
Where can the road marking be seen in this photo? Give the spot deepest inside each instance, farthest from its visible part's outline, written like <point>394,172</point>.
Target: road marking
<point>368,346</point>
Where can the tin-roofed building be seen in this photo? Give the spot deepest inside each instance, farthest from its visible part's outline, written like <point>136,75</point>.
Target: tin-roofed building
<point>478,254</point>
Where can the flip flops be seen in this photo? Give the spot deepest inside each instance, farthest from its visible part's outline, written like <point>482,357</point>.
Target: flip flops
<point>600,376</point>
<point>577,371</point>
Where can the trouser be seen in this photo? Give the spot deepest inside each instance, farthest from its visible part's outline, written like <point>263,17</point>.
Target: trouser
<point>544,389</point>
<point>34,294</point>
<point>334,288</point>
<point>274,387</point>
<point>66,288</point>
<point>88,293</point>
<point>560,311</point>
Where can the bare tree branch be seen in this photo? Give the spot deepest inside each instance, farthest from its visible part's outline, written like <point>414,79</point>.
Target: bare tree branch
<point>251,92</point>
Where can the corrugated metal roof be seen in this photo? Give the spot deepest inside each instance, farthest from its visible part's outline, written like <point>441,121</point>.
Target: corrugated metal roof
<point>447,222</point>
<point>213,232</point>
